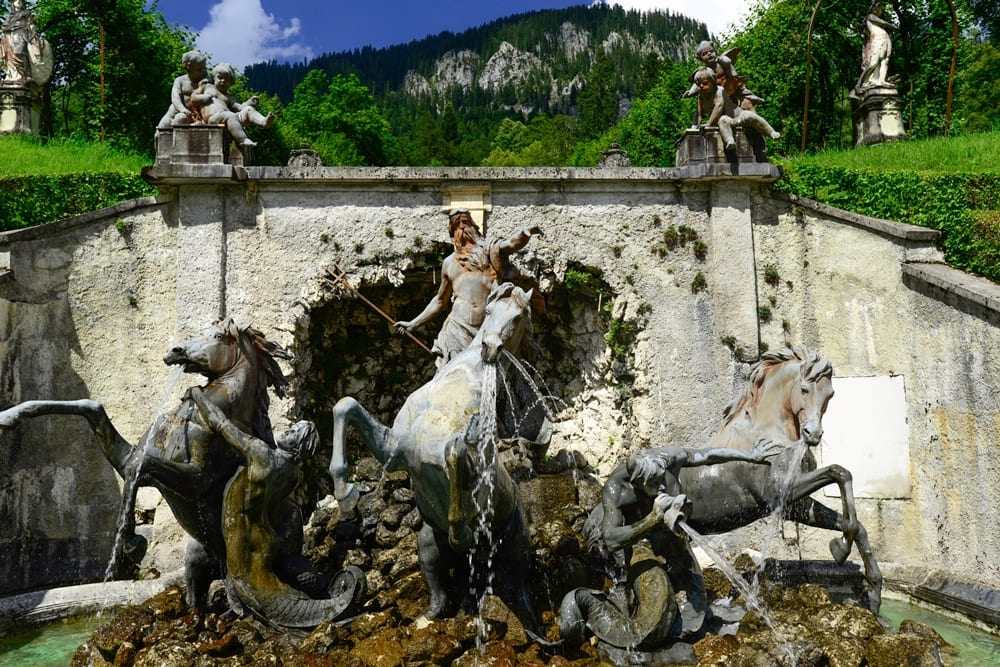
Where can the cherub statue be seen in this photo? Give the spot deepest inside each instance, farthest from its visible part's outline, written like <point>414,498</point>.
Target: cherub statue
<point>195,65</point>
<point>214,104</point>
<point>725,73</point>
<point>723,111</point>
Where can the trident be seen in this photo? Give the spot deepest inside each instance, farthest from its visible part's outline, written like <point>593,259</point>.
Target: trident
<point>338,278</point>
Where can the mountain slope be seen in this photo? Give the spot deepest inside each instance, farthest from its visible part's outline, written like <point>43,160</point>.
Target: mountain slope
<point>536,61</point>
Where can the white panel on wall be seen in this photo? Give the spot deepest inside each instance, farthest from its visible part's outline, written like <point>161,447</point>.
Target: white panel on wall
<point>865,430</point>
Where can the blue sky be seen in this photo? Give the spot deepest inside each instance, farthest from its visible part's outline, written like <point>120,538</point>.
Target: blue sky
<point>242,32</point>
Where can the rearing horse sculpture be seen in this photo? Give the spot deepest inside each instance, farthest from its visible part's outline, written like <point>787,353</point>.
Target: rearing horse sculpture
<point>179,455</point>
<point>433,438</point>
<point>785,399</point>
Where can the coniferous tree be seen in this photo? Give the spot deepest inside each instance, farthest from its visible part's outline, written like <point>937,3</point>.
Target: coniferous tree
<point>598,99</point>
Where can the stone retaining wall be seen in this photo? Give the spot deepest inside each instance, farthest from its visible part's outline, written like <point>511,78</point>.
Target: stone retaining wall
<point>632,339</point>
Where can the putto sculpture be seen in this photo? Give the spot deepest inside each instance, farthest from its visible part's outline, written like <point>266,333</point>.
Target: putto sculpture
<point>200,105</point>
<point>724,103</point>
<point>723,110</point>
<point>181,111</point>
<point>211,103</point>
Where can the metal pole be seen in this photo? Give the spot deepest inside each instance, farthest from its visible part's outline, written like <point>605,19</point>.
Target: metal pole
<point>339,278</point>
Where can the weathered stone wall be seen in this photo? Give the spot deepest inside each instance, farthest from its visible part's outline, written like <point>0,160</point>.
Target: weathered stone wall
<point>71,326</point>
<point>632,337</point>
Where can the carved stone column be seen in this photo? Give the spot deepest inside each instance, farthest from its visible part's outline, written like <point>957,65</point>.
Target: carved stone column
<point>19,108</point>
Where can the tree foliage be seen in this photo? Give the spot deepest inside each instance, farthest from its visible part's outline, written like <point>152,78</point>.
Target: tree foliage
<point>648,133</point>
<point>339,119</point>
<point>114,63</point>
<point>977,93</point>
<point>598,99</point>
<point>543,141</point>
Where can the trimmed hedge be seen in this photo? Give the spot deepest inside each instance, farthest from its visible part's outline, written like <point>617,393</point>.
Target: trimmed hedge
<point>26,201</point>
<point>962,206</point>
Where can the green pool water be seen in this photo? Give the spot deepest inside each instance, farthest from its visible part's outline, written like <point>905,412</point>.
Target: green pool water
<point>47,646</point>
<point>976,648</point>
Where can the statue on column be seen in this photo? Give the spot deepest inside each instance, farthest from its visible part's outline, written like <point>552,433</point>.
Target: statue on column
<point>25,67</point>
<point>26,54</point>
<point>876,52</point>
<point>876,106</point>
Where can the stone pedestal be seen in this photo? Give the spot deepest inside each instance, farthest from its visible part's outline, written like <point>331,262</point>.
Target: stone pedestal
<point>19,108</point>
<point>877,114</point>
<point>703,145</point>
<point>197,144</point>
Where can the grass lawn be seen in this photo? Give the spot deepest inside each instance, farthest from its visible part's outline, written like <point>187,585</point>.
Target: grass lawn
<point>963,154</point>
<point>28,156</point>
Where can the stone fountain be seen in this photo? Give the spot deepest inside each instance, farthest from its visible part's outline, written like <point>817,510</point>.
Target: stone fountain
<point>428,555</point>
<point>453,535</point>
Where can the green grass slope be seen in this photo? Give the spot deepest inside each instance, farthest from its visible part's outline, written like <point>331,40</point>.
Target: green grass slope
<point>43,182</point>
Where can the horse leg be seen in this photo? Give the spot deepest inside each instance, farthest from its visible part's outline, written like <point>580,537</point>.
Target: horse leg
<point>375,434</point>
<point>199,571</point>
<point>461,477</point>
<point>812,481</point>
<point>115,448</point>
<point>813,513</point>
<point>433,554</point>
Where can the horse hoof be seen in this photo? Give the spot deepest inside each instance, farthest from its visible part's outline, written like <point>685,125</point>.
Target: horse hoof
<point>350,499</point>
<point>840,549</point>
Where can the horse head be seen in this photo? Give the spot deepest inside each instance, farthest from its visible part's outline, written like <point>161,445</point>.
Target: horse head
<point>244,356</point>
<point>789,390</point>
<point>507,322</point>
<point>211,355</point>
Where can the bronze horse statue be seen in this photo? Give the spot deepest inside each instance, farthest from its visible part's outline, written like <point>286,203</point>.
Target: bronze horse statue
<point>787,393</point>
<point>435,437</point>
<point>179,454</point>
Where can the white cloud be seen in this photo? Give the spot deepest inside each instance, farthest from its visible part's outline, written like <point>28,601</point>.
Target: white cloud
<point>718,15</point>
<point>240,32</point>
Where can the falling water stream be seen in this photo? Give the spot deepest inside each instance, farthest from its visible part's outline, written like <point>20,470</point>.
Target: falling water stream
<point>798,452</point>
<point>130,484</point>
<point>751,594</point>
<point>482,497</point>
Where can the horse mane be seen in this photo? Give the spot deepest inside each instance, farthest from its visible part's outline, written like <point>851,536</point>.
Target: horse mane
<point>265,352</point>
<point>812,368</point>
